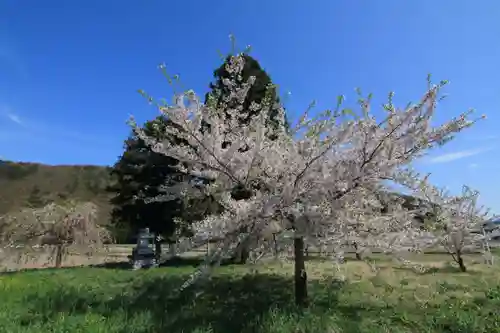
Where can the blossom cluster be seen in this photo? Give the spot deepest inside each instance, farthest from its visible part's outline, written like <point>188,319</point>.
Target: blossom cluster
<point>322,179</point>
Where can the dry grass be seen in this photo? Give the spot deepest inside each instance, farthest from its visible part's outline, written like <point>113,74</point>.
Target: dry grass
<point>43,257</point>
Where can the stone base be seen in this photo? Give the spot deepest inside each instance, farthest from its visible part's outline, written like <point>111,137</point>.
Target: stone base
<point>143,263</point>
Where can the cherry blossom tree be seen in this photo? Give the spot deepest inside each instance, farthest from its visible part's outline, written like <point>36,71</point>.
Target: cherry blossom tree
<point>58,225</point>
<point>321,180</point>
<point>455,222</point>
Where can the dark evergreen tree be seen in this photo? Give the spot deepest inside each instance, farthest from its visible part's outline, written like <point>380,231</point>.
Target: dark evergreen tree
<point>138,173</point>
<point>263,85</point>
<point>261,88</point>
<point>139,176</point>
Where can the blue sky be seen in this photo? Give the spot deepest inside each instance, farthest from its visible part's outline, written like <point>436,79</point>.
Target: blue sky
<point>69,70</point>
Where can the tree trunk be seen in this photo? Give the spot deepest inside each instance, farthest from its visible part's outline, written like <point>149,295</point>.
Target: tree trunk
<point>59,255</point>
<point>460,262</point>
<point>242,253</point>
<point>300,273</point>
<point>157,251</point>
<point>356,248</point>
<point>276,249</point>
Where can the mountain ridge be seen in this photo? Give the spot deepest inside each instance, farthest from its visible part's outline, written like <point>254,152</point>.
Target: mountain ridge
<point>29,184</point>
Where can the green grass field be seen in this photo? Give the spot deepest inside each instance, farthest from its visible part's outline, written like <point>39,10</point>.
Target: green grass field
<point>253,299</point>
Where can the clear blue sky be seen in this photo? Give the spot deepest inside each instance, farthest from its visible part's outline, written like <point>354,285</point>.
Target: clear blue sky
<point>69,70</point>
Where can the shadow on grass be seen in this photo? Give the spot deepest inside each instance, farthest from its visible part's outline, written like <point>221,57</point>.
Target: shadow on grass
<point>438,270</point>
<point>178,261</point>
<point>224,303</point>
<point>175,261</point>
<point>113,265</point>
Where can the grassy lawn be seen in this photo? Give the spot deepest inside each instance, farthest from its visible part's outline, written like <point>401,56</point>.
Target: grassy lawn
<point>253,299</point>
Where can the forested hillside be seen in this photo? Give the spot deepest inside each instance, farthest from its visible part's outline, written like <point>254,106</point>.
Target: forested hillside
<point>34,185</point>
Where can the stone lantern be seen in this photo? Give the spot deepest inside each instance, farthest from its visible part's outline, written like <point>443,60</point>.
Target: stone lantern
<point>143,254</point>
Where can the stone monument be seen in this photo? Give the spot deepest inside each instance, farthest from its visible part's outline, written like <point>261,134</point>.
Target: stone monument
<point>143,255</point>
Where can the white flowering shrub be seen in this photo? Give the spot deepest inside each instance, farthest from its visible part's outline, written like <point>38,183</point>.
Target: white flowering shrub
<point>57,225</point>
<point>455,223</point>
<point>320,180</point>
